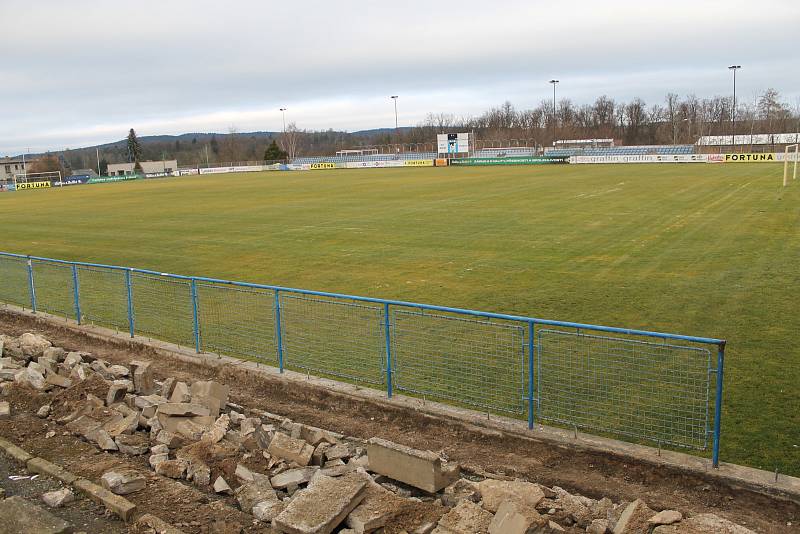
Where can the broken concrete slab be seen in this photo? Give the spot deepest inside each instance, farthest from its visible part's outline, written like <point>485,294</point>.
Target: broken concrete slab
<point>143,381</point>
<point>33,345</point>
<point>31,378</point>
<point>665,517</point>
<point>58,380</point>
<point>133,444</point>
<point>512,518</point>
<point>18,515</point>
<point>191,429</point>
<point>116,393</point>
<point>222,487</point>
<point>172,468</point>
<point>301,475</point>
<point>294,450</point>
<point>634,518</point>
<point>375,510</point>
<point>269,510</point>
<point>5,410</point>
<point>123,481</point>
<point>465,518</point>
<point>58,498</point>
<point>209,389</point>
<point>252,493</point>
<point>122,425</point>
<point>495,492</point>
<point>321,507</point>
<point>180,393</point>
<point>421,469</point>
<point>171,422</point>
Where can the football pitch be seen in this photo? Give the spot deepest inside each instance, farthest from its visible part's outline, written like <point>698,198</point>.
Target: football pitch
<point>697,249</point>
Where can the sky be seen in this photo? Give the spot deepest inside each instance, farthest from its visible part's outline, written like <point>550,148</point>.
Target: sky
<point>80,73</point>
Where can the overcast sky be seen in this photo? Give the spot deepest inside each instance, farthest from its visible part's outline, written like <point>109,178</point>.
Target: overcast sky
<point>78,73</point>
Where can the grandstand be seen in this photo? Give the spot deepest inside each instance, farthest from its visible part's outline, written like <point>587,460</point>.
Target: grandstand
<point>641,150</point>
<point>360,158</point>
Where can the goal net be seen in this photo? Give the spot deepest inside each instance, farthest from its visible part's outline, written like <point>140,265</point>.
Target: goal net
<point>36,180</point>
<point>790,155</point>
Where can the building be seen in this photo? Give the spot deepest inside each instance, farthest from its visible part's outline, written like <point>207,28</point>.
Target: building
<point>148,167</point>
<point>9,167</point>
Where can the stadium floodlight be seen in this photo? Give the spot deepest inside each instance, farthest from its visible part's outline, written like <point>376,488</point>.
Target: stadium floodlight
<point>786,158</point>
<point>283,112</point>
<point>395,97</point>
<point>554,82</point>
<point>734,68</point>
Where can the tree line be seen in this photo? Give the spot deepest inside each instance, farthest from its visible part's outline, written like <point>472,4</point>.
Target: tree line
<point>674,120</point>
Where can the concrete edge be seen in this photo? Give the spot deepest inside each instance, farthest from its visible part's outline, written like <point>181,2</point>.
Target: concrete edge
<point>732,475</point>
<point>113,503</point>
<point>43,467</point>
<point>15,453</point>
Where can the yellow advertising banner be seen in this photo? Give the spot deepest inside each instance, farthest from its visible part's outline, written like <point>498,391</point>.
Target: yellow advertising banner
<point>418,163</point>
<point>441,162</point>
<point>749,158</point>
<point>323,165</point>
<point>32,185</point>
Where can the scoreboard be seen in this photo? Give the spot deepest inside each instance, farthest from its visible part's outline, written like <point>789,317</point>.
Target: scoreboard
<point>454,143</point>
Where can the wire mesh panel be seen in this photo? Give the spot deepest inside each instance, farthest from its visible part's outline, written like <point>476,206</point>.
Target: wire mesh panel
<point>55,292</point>
<point>237,320</point>
<point>103,296</point>
<point>334,337</point>
<point>14,281</point>
<point>648,390</point>
<point>476,362</point>
<point>162,307</point>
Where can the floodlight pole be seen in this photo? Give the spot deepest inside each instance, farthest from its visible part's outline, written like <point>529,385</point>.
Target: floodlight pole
<point>97,151</point>
<point>394,97</point>
<point>554,82</point>
<point>734,68</point>
<point>283,112</point>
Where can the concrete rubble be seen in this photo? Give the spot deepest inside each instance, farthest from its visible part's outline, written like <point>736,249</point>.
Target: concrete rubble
<point>294,477</point>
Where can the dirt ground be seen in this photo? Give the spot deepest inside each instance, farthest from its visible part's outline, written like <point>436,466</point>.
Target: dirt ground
<point>591,474</point>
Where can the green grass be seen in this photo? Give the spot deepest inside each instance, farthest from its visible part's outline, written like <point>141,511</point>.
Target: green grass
<point>709,250</point>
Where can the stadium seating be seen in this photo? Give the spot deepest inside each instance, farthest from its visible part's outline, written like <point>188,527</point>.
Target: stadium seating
<point>659,150</point>
<point>366,157</point>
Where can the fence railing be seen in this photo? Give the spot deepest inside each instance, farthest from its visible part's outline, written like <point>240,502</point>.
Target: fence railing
<point>638,385</point>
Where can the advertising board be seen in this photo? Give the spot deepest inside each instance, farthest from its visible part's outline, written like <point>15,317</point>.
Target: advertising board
<point>453,143</point>
<point>33,185</point>
<point>641,158</point>
<point>524,160</point>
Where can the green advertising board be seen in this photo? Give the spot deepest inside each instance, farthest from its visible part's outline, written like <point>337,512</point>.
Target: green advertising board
<point>522,160</point>
<point>107,179</point>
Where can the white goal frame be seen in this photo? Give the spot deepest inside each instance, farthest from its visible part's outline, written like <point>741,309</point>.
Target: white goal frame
<point>786,153</point>
<point>47,176</point>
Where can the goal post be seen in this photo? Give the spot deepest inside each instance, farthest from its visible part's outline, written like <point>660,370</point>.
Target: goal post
<point>790,156</point>
<point>32,180</point>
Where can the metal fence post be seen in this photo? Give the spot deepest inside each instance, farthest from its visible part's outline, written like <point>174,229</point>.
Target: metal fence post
<point>131,318</point>
<point>76,291</point>
<point>196,323</point>
<point>718,405</point>
<point>278,335</point>
<point>531,409</point>
<point>386,327</point>
<point>31,286</point>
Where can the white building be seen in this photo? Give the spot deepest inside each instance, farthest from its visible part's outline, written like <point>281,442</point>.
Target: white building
<point>148,167</point>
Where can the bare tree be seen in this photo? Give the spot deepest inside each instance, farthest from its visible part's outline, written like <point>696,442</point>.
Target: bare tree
<point>290,139</point>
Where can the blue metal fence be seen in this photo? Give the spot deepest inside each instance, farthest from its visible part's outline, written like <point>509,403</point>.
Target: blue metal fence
<point>633,384</point>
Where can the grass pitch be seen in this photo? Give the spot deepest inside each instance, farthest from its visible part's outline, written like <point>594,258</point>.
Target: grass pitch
<point>709,250</point>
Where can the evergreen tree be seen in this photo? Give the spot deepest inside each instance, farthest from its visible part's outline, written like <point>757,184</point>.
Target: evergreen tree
<point>134,148</point>
<point>274,153</point>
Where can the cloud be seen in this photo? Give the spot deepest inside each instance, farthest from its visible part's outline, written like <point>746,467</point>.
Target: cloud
<point>84,71</point>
